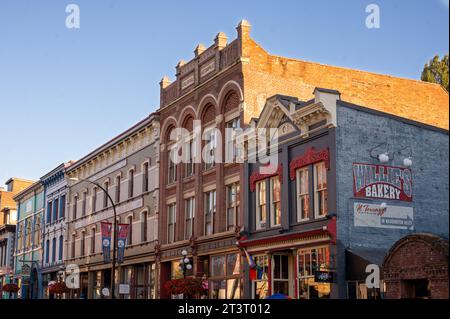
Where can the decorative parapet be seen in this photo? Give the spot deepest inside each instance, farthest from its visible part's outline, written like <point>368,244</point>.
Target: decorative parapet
<point>206,63</point>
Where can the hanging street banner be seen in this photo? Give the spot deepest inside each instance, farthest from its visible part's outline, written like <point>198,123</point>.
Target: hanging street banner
<point>382,182</point>
<point>369,215</point>
<point>121,241</point>
<point>106,229</point>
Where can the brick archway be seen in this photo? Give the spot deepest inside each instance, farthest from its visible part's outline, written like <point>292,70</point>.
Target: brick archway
<point>417,267</point>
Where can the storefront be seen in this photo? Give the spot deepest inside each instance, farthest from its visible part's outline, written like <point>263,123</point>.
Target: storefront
<point>299,266</point>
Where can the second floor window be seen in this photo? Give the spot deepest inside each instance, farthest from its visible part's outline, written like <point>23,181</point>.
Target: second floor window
<point>49,212</point>
<point>171,217</point>
<point>62,209</point>
<point>131,184</point>
<point>73,245</point>
<point>210,147</point>
<point>189,166</point>
<point>105,196</point>
<point>118,189</point>
<point>302,194</point>
<point>233,152</point>
<point>130,231</point>
<point>232,205</point>
<point>189,226</point>
<point>55,209</point>
<point>93,241</point>
<point>275,201</point>
<point>210,211</point>
<point>145,185</point>
<point>47,251</point>
<point>83,243</point>
<point>53,250</point>
<point>94,199</point>
<point>261,208</point>
<point>61,246</point>
<point>83,204</point>
<point>144,227</point>
<point>172,169</point>
<point>320,190</point>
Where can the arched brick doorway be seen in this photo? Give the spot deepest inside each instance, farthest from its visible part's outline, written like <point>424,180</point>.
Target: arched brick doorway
<point>417,267</point>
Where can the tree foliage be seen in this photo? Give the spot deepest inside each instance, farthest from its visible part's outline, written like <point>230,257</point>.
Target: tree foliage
<point>436,71</point>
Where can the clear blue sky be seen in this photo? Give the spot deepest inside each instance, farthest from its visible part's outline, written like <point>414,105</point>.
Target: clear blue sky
<point>64,92</point>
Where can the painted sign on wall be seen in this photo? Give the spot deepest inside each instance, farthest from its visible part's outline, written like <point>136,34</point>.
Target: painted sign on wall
<point>382,182</point>
<point>370,215</point>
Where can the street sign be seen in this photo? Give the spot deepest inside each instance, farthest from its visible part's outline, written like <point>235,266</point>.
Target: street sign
<point>323,276</point>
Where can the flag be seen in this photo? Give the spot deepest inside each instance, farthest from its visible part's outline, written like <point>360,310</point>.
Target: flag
<point>250,260</point>
<point>106,229</point>
<point>121,241</point>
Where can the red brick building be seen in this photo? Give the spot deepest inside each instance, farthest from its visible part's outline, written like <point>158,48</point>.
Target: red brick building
<point>226,85</point>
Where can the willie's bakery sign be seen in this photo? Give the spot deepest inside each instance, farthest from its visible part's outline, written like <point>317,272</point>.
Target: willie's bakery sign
<point>382,182</point>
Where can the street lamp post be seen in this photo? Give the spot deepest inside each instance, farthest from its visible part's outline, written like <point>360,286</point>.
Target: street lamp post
<point>185,263</point>
<point>113,268</point>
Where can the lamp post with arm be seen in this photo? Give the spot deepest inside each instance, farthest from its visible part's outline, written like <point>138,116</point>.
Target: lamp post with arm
<point>113,267</point>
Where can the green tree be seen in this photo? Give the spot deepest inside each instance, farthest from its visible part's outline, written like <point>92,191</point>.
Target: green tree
<point>436,71</point>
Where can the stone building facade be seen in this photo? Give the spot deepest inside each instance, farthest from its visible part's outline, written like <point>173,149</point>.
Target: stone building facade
<point>127,167</point>
<point>53,235</point>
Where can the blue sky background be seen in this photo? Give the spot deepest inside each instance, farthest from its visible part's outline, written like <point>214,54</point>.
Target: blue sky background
<point>64,92</point>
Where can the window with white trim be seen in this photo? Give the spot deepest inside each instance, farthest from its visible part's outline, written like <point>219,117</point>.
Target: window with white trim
<point>275,201</point>
<point>171,168</point>
<point>302,194</point>
<point>233,191</point>
<point>233,152</point>
<point>210,138</point>
<point>144,226</point>
<point>210,210</point>
<point>189,205</point>
<point>320,190</point>
<point>189,165</point>
<point>171,222</point>
<point>261,207</point>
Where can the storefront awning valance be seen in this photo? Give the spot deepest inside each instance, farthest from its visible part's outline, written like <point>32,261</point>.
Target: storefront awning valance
<point>358,259</point>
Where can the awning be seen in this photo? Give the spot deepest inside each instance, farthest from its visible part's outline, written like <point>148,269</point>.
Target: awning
<point>356,261</point>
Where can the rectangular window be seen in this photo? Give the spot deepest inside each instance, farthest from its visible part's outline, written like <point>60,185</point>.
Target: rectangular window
<point>145,177</point>
<point>233,152</point>
<point>47,251</point>
<point>62,208</point>
<point>37,231</point>
<point>53,250</point>
<point>225,277</point>
<point>171,214</point>
<point>260,285</point>
<point>189,165</point>
<point>55,209</point>
<point>49,212</point>
<point>309,261</point>
<point>210,210</point>
<point>131,184</point>
<point>61,246</point>
<point>118,189</point>
<point>144,227</point>
<point>172,169</point>
<point>210,138</point>
<point>232,205</point>
<point>93,241</point>
<point>302,194</point>
<point>281,274</point>
<point>275,201</point>
<point>105,196</point>
<point>82,243</point>
<point>130,231</point>
<point>320,190</point>
<point>189,226</point>
<point>73,246</point>
<point>94,199</point>
<point>84,204</point>
<point>261,209</point>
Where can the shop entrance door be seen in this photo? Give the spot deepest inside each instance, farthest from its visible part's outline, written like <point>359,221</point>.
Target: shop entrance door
<point>281,274</point>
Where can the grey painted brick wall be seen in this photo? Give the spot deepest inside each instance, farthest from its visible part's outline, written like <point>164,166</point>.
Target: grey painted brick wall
<point>357,132</point>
